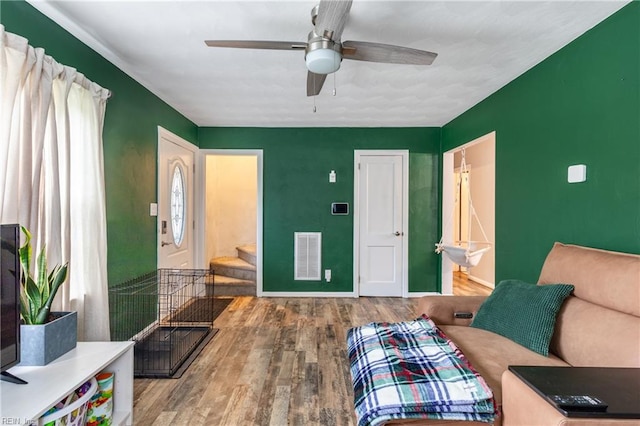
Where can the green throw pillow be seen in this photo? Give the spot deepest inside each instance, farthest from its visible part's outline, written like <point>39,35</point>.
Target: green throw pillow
<point>523,312</point>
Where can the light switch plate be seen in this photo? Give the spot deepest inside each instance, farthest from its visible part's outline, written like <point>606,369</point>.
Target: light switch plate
<point>577,173</point>
<point>153,209</point>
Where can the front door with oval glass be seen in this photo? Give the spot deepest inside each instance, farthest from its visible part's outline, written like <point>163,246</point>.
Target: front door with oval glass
<point>175,203</point>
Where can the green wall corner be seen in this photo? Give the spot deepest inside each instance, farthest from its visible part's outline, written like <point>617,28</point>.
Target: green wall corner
<point>579,106</point>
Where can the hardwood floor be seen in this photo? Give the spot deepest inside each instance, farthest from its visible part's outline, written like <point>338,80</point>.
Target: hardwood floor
<point>462,286</point>
<point>275,361</point>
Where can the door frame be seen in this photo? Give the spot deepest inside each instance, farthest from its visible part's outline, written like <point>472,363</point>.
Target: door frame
<point>357,154</point>
<point>173,138</point>
<point>201,205</point>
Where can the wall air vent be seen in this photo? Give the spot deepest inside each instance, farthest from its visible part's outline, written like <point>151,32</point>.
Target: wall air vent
<point>307,250</point>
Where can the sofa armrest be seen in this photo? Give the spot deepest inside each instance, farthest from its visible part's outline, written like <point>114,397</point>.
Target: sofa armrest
<point>441,309</point>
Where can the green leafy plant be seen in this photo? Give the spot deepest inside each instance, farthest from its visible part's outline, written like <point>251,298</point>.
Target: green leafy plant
<point>37,293</point>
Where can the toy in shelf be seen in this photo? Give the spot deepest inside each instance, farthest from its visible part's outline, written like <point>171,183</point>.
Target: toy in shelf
<point>100,411</point>
<point>72,410</point>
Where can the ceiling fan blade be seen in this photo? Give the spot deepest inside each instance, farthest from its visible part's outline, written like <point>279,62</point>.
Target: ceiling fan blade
<point>332,15</point>
<point>386,53</point>
<point>256,44</point>
<point>314,83</point>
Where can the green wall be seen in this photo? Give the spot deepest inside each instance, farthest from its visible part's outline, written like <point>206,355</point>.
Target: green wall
<point>580,106</point>
<point>130,139</point>
<point>297,196</point>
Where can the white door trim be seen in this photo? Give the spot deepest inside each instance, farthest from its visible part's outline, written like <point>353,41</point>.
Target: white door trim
<point>173,138</point>
<point>201,207</point>
<point>357,154</point>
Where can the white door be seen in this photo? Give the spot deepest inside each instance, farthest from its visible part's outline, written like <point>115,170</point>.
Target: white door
<point>175,202</point>
<point>381,222</point>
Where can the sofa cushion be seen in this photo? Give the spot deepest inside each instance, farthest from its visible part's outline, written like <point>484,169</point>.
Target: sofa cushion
<point>606,278</point>
<point>491,354</point>
<point>599,325</point>
<point>588,335</point>
<point>522,312</point>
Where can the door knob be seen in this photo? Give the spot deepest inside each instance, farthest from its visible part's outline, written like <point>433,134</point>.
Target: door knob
<point>164,243</point>
<point>398,233</point>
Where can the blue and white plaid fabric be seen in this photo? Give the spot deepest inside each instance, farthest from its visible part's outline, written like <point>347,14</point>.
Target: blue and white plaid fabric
<point>411,370</point>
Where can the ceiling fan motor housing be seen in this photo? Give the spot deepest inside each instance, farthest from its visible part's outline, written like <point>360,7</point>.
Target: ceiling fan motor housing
<point>322,55</point>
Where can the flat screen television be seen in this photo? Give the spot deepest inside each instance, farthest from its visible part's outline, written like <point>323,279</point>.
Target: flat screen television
<point>9,301</point>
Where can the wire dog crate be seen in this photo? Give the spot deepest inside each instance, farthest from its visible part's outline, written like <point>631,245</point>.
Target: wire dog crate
<point>169,315</point>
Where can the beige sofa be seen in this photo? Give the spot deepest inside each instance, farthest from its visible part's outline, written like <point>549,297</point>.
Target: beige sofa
<point>598,325</point>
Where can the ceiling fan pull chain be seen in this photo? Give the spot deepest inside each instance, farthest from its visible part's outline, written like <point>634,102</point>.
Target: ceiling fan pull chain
<point>334,77</point>
<point>334,84</point>
<point>314,96</point>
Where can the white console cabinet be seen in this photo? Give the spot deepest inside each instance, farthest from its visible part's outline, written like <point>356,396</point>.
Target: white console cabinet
<point>47,385</point>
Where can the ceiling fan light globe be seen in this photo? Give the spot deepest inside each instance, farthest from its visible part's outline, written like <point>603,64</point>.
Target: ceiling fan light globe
<point>323,61</point>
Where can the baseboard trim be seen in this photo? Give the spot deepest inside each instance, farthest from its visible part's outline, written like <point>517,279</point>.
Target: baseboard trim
<point>333,294</point>
<point>348,294</point>
<point>423,293</point>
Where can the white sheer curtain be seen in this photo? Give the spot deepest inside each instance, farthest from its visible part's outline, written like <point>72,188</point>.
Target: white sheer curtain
<point>52,172</point>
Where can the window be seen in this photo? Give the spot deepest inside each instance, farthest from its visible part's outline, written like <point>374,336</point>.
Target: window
<point>177,205</point>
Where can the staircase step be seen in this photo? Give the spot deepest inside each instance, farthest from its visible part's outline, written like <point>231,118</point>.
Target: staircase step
<point>233,267</point>
<point>247,253</point>
<point>228,286</point>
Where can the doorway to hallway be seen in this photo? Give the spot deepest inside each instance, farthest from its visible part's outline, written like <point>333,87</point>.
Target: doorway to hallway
<point>480,182</point>
<point>232,225</point>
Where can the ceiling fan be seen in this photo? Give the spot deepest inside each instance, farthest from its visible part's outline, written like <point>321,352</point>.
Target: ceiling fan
<point>324,49</point>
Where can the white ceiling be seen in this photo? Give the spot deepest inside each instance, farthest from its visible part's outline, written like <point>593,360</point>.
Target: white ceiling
<point>481,46</point>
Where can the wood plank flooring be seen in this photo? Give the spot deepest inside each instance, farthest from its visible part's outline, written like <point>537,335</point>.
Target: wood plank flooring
<point>275,361</point>
<point>463,286</point>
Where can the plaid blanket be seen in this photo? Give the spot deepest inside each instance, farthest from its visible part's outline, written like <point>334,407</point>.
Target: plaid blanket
<point>411,370</point>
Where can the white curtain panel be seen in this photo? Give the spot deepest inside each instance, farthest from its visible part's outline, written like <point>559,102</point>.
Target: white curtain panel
<point>52,172</point>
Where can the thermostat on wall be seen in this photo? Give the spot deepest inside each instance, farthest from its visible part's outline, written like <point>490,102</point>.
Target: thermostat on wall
<point>339,208</point>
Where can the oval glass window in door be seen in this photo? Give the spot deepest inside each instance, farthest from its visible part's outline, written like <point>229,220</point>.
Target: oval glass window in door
<point>177,206</point>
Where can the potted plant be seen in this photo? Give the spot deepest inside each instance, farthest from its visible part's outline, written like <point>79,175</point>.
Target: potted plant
<point>44,335</point>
